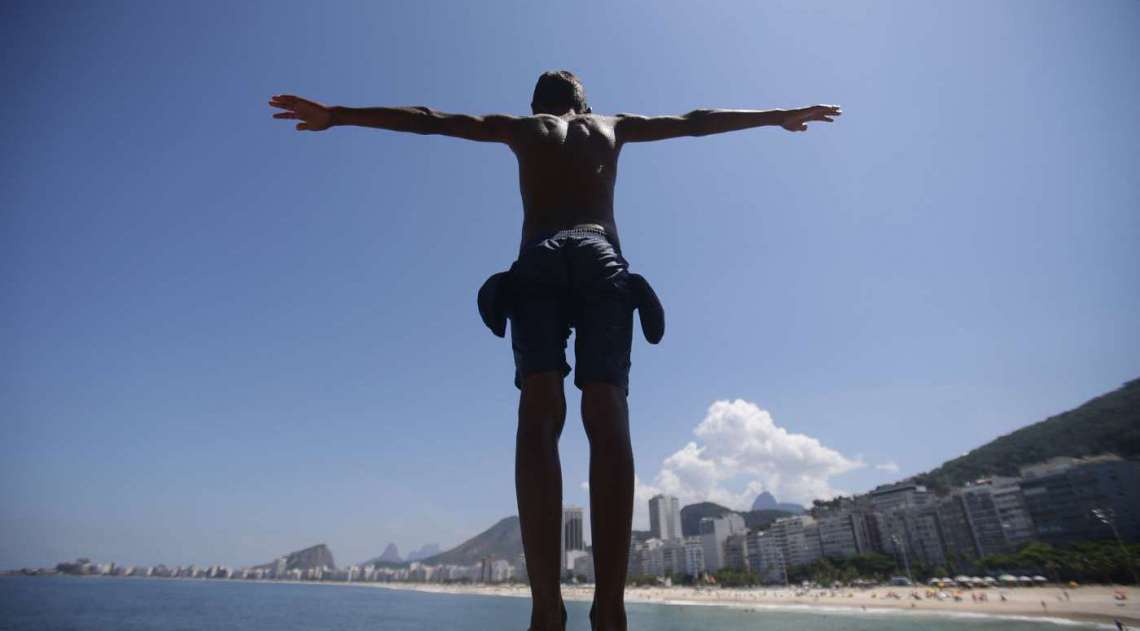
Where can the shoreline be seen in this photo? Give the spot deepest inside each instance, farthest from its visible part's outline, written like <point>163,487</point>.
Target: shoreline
<point>1086,605</point>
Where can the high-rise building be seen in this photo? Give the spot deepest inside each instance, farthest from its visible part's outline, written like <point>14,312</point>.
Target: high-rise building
<point>843,533</point>
<point>673,558</point>
<point>736,552</point>
<point>1016,522</point>
<point>714,531</point>
<point>665,517</point>
<point>572,528</point>
<point>694,556</point>
<point>572,535</point>
<point>646,558</point>
<point>584,567</point>
<point>985,519</point>
<point>798,538</point>
<point>765,558</point>
<point>956,532</point>
<point>572,557</point>
<point>1062,494</point>
<point>894,497</point>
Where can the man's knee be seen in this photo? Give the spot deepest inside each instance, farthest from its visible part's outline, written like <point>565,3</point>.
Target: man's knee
<point>542,407</point>
<point>605,413</point>
<point>603,399</point>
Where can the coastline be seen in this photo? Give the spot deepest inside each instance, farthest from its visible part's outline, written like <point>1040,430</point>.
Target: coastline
<point>1094,604</point>
<point>1086,605</point>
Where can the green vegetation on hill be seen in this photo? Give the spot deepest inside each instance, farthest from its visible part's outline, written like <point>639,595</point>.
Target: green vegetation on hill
<point>1109,423</point>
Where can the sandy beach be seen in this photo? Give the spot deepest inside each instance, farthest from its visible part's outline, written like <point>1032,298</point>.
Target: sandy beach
<point>1086,604</point>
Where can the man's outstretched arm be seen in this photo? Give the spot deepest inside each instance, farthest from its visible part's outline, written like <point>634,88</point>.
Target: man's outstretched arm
<point>634,128</point>
<point>417,120</point>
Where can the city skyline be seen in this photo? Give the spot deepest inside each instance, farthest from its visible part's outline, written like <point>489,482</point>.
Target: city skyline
<point>225,339</point>
<point>1064,500</point>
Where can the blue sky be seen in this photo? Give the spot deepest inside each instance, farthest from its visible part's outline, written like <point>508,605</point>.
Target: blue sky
<point>225,339</point>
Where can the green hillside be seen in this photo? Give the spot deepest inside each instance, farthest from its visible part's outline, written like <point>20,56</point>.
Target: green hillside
<point>1109,423</point>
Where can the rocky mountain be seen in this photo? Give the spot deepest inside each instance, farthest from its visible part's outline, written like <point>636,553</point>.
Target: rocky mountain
<point>501,541</point>
<point>315,556</point>
<point>1109,423</point>
<point>767,501</point>
<point>391,554</point>
<point>425,551</point>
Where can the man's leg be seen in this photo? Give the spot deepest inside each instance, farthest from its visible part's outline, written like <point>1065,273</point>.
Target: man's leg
<point>605,415</point>
<point>538,484</point>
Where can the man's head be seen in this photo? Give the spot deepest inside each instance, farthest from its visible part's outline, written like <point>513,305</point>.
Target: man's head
<point>558,92</point>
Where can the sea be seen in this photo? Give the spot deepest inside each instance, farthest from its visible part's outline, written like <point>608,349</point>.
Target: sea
<point>72,603</point>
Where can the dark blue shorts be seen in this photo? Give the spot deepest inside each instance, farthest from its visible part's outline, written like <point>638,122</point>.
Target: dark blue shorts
<point>573,279</point>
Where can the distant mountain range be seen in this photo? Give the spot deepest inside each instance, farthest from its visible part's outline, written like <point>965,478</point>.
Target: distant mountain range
<point>311,557</point>
<point>501,541</point>
<point>425,551</point>
<point>1109,423</point>
<point>391,555</point>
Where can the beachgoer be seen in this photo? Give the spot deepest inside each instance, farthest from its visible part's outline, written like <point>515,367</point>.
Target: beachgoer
<point>570,272</point>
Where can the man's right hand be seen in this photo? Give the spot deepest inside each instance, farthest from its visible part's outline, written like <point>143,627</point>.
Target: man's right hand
<point>313,116</point>
<point>795,119</point>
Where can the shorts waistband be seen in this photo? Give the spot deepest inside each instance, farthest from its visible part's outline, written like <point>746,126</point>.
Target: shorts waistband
<point>580,230</point>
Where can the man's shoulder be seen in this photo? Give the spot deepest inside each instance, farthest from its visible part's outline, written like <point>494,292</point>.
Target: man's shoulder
<point>550,119</point>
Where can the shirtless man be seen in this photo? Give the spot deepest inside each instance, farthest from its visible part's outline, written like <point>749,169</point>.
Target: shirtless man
<point>570,273</point>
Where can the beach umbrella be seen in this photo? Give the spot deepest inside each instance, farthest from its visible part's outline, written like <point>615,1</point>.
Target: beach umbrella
<point>990,580</point>
<point>1024,579</point>
<point>961,578</point>
<point>1007,578</point>
<point>933,581</point>
<point>1040,579</point>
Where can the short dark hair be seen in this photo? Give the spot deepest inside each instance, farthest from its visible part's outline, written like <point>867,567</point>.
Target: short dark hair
<point>558,89</point>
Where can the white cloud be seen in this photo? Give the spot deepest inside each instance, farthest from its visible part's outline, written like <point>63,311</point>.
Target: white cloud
<point>889,467</point>
<point>740,447</point>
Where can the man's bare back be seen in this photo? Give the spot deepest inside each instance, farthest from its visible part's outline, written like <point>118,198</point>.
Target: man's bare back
<point>567,171</point>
